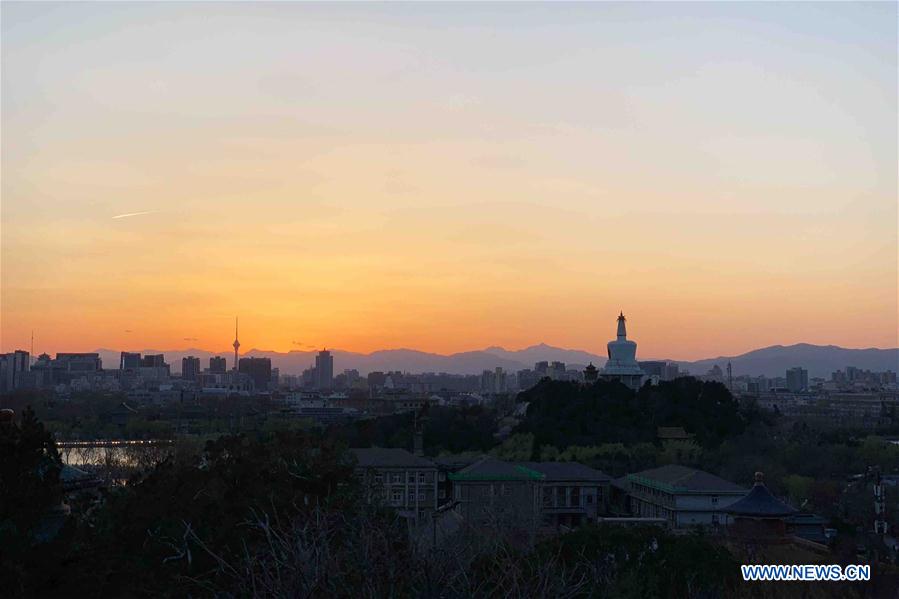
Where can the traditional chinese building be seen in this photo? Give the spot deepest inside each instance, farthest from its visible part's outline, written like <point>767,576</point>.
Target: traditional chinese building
<point>759,517</point>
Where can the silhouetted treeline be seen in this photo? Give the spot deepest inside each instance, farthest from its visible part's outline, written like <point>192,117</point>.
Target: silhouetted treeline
<point>562,414</point>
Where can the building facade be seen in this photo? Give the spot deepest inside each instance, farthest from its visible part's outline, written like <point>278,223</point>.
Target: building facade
<point>571,494</point>
<point>398,478</point>
<point>683,497</point>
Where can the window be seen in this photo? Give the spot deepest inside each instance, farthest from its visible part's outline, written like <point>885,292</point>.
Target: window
<point>575,496</point>
<point>548,497</point>
<point>441,477</point>
<point>714,500</point>
<point>589,499</point>
<point>422,478</point>
<point>397,478</point>
<point>598,494</point>
<point>561,496</point>
<point>506,490</point>
<point>379,478</point>
<point>397,496</point>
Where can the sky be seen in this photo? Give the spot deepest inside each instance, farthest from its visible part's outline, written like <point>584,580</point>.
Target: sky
<point>448,177</point>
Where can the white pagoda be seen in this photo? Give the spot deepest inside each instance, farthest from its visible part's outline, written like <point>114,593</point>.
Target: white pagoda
<point>622,365</point>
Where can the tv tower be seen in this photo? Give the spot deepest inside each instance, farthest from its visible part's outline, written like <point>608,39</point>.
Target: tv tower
<point>236,344</point>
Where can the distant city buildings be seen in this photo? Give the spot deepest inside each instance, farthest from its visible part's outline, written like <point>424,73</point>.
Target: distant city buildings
<point>494,381</point>
<point>853,378</point>
<point>14,368</point>
<point>660,370</point>
<point>218,364</point>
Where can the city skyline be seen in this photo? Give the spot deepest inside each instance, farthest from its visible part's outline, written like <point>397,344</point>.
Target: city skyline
<point>724,173</point>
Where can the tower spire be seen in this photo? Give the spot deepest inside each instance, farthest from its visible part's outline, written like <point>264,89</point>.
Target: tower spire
<point>622,329</point>
<point>236,344</point>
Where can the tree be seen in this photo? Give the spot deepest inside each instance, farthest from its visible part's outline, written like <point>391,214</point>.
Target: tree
<point>29,490</point>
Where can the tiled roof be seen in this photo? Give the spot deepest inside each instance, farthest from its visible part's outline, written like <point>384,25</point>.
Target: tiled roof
<point>456,461</point>
<point>761,503</point>
<point>676,478</point>
<point>567,471</point>
<point>489,468</point>
<point>387,457</point>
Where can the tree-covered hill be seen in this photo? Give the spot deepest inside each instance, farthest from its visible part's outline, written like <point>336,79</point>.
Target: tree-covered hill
<point>563,414</point>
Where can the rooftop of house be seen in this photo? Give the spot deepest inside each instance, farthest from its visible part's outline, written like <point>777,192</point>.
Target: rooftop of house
<point>456,461</point>
<point>760,503</point>
<point>388,457</point>
<point>490,469</point>
<point>674,478</point>
<point>567,471</point>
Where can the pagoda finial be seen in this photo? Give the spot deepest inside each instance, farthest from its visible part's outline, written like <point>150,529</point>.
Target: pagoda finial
<point>759,478</point>
<point>622,330</point>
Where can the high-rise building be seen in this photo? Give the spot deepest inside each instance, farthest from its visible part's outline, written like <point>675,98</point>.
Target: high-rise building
<point>797,379</point>
<point>276,378</point>
<point>324,370</point>
<point>494,381</point>
<point>664,370</point>
<point>129,361</point>
<point>557,371</point>
<point>376,379</point>
<point>258,369</point>
<point>190,368</point>
<point>217,364</point>
<point>79,362</point>
<point>153,361</point>
<point>13,369</point>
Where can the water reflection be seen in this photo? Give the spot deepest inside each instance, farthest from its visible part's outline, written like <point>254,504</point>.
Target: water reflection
<point>115,460</point>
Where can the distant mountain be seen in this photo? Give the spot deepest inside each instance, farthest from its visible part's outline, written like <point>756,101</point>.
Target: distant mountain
<point>543,352</point>
<point>819,360</point>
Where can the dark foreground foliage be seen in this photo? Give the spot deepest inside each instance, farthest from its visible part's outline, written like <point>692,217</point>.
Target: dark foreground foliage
<point>281,515</point>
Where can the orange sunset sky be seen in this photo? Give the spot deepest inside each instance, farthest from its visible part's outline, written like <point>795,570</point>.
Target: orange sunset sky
<point>448,177</point>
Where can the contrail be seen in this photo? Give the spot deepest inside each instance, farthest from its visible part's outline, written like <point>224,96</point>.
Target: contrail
<point>135,214</point>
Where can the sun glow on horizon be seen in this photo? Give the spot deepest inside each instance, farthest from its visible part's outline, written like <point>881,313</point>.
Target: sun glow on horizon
<point>448,178</point>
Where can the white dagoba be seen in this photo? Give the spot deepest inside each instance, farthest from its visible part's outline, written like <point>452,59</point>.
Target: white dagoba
<point>622,365</point>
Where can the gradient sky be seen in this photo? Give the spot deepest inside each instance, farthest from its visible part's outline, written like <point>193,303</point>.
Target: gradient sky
<point>447,177</point>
